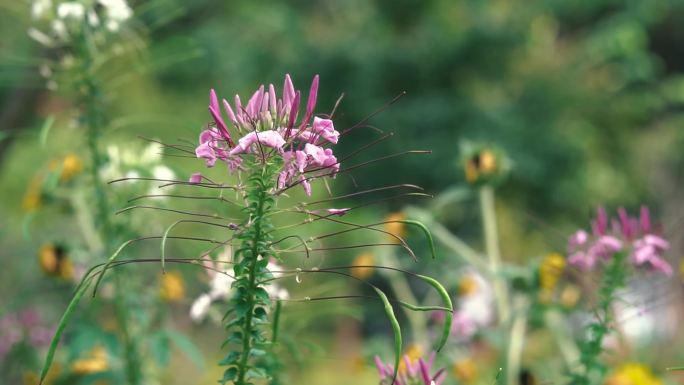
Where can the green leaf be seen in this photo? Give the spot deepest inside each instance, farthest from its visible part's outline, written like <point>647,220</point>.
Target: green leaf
<point>446,329</point>
<point>83,286</point>
<point>110,260</point>
<point>45,130</point>
<point>230,359</point>
<point>229,375</point>
<point>159,347</point>
<point>396,329</point>
<point>187,347</point>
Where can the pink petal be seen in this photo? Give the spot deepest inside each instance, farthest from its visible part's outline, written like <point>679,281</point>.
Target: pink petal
<point>204,151</point>
<point>645,219</point>
<point>195,178</point>
<point>657,241</point>
<point>213,100</point>
<point>272,98</point>
<point>601,221</point>
<point>229,111</point>
<point>338,212</point>
<point>313,95</point>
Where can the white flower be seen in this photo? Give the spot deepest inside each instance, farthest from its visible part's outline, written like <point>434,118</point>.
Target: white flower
<point>59,29</point>
<point>93,20</point>
<point>117,12</point>
<point>163,173</point>
<point>71,10</point>
<point>200,308</point>
<point>479,305</point>
<point>40,37</point>
<point>40,9</point>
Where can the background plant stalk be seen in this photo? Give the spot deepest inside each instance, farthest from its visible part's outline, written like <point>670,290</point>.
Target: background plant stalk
<point>491,234</point>
<point>92,103</point>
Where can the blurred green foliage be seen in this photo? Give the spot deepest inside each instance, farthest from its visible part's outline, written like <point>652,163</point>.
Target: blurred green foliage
<point>585,97</point>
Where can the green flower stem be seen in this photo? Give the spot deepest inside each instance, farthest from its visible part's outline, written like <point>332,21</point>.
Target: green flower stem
<point>516,340</point>
<point>276,322</point>
<point>94,121</point>
<point>613,278</point>
<point>560,329</point>
<point>251,299</point>
<point>247,324</point>
<point>488,210</point>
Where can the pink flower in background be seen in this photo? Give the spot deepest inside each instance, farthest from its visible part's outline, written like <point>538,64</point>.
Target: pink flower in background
<point>417,372</point>
<point>23,326</point>
<point>630,234</point>
<point>268,123</point>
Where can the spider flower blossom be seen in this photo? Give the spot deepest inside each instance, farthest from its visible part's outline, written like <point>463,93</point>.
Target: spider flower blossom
<point>634,235</point>
<point>268,127</point>
<point>416,372</point>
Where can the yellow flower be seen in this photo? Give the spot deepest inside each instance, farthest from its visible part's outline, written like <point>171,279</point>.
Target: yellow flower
<point>467,286</point>
<point>394,227</point>
<point>465,371</point>
<point>364,259</point>
<point>681,270</point>
<point>33,196</point>
<point>95,362</point>
<point>33,378</point>
<point>71,165</point>
<point>633,374</point>
<point>550,271</point>
<point>569,296</point>
<point>54,261</point>
<point>481,164</point>
<point>172,288</point>
<point>414,352</point>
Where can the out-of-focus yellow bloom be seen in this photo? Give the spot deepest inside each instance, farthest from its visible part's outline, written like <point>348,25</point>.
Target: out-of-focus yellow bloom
<point>54,261</point>
<point>33,196</point>
<point>394,227</point>
<point>465,371</point>
<point>633,374</point>
<point>414,352</point>
<point>550,271</point>
<point>33,378</point>
<point>95,362</point>
<point>71,165</point>
<point>364,259</point>
<point>172,288</point>
<point>681,270</point>
<point>481,164</point>
<point>467,286</point>
<point>569,296</point>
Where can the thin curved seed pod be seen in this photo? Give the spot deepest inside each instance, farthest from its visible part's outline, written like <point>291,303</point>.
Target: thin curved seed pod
<point>447,301</point>
<point>396,329</point>
<point>163,242</point>
<point>83,286</point>
<point>425,230</point>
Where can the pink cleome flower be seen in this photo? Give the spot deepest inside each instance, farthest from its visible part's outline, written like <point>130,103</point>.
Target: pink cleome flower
<point>416,372</point>
<point>630,234</point>
<point>269,128</point>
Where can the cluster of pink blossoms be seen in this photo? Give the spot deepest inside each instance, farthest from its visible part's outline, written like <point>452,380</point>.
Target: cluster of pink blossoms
<point>415,372</point>
<point>634,235</point>
<point>268,127</point>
